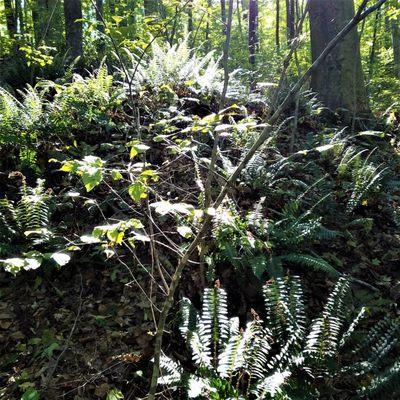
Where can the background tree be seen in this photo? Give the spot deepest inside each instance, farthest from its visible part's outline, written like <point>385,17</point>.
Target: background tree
<point>277,25</point>
<point>290,20</point>
<point>73,28</point>
<point>253,31</point>
<point>339,80</point>
<point>396,44</point>
<point>11,18</point>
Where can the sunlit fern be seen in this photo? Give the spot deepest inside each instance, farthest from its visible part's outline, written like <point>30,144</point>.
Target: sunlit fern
<point>278,358</point>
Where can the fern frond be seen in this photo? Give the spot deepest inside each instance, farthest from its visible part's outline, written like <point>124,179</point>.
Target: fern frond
<point>316,263</point>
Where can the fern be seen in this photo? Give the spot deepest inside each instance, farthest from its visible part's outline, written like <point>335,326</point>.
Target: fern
<point>176,65</point>
<point>25,232</point>
<point>282,355</point>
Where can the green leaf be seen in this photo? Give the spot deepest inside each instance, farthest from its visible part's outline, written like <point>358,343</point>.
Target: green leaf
<point>89,239</point>
<point>114,394</point>
<point>116,175</point>
<point>137,148</point>
<point>61,258</point>
<point>137,191</point>
<point>48,351</point>
<point>185,231</point>
<point>115,236</point>
<point>91,177</point>
<point>30,394</point>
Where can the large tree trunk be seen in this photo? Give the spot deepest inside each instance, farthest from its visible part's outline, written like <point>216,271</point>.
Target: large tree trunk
<point>73,28</point>
<point>11,18</point>
<point>339,80</point>
<point>396,45</point>
<point>253,30</point>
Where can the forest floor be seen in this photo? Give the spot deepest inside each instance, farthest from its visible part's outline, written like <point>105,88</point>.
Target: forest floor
<point>79,331</point>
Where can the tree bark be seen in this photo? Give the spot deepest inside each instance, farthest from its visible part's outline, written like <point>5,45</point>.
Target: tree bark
<point>373,47</point>
<point>19,15</point>
<point>73,28</point>
<point>277,26</point>
<point>290,20</point>
<point>11,18</point>
<point>339,80</point>
<point>396,45</point>
<point>223,16</point>
<point>190,16</point>
<point>150,7</point>
<point>253,30</point>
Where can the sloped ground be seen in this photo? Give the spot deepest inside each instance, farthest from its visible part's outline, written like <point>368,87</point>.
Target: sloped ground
<point>82,330</point>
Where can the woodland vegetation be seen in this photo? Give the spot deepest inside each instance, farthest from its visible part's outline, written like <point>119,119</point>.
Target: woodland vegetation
<point>199,199</point>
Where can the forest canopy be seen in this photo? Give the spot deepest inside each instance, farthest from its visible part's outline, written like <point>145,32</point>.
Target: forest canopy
<point>199,199</point>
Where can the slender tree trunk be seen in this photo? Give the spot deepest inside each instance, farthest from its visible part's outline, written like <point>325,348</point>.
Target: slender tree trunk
<point>373,47</point>
<point>223,16</point>
<point>150,7</point>
<point>190,16</point>
<point>239,18</point>
<point>225,62</point>
<point>339,80</point>
<point>396,45</point>
<point>290,20</point>
<point>388,28</point>
<point>253,31</point>
<point>277,26</point>
<point>100,15</point>
<point>207,33</point>
<point>73,28</point>
<point>19,16</point>
<point>100,26</point>
<point>11,18</point>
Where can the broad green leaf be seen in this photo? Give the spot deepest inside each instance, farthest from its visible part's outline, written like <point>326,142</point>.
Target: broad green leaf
<point>91,178</point>
<point>185,231</point>
<point>114,394</point>
<point>61,258</point>
<point>30,394</point>
<point>137,191</point>
<point>116,175</point>
<point>115,236</point>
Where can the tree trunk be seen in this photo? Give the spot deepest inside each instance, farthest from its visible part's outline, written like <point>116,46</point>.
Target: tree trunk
<point>339,80</point>
<point>396,45</point>
<point>278,16</point>
<point>290,20</point>
<point>100,26</point>
<point>73,28</point>
<point>150,7</point>
<point>207,33</point>
<point>11,18</point>
<point>223,16</point>
<point>253,30</point>
<point>373,47</point>
<point>19,14</point>
<point>100,15</point>
<point>190,16</point>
